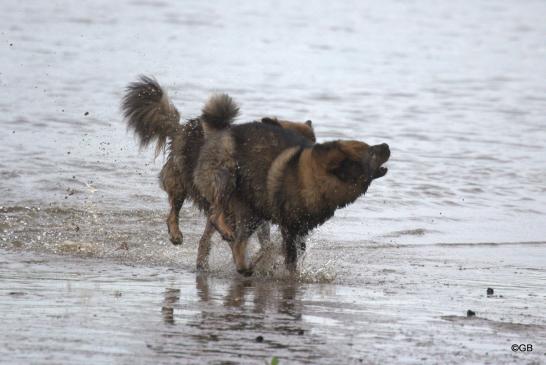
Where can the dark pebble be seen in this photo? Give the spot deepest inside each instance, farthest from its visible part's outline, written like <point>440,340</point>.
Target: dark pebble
<point>301,332</point>
<point>470,313</point>
<point>260,339</point>
<point>86,113</point>
<point>490,291</point>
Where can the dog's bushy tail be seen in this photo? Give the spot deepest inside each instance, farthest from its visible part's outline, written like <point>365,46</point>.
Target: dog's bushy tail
<point>150,113</point>
<point>219,112</point>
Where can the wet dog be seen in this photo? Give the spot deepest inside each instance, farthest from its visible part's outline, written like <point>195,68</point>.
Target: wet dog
<point>153,117</point>
<point>257,172</point>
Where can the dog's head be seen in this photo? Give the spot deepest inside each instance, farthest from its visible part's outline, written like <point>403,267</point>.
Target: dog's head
<point>305,129</point>
<point>353,162</point>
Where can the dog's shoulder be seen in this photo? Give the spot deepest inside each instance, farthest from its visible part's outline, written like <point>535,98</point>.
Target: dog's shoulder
<point>270,133</point>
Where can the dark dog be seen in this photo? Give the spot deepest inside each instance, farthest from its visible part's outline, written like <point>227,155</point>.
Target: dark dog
<point>154,119</point>
<point>257,172</point>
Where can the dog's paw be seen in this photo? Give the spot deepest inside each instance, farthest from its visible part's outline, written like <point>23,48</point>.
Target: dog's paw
<point>176,240</point>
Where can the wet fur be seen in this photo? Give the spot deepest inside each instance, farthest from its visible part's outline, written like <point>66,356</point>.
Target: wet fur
<point>284,178</point>
<point>149,112</point>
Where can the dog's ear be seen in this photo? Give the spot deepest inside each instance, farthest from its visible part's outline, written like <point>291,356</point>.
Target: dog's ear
<point>328,155</point>
<point>271,121</point>
<point>354,150</point>
<point>309,123</point>
<point>331,155</point>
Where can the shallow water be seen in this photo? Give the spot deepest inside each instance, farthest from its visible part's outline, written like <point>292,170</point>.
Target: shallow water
<point>89,311</point>
<point>457,90</point>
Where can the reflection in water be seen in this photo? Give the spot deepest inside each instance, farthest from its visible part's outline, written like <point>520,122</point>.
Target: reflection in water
<point>172,296</point>
<point>257,296</point>
<point>243,315</point>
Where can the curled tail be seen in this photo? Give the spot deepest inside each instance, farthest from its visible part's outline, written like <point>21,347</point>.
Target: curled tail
<point>218,113</point>
<point>150,113</point>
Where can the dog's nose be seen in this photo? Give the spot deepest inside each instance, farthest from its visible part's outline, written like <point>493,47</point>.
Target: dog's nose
<point>386,149</point>
<point>382,150</point>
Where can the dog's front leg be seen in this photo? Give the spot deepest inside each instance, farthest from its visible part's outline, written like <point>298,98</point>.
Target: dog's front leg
<point>264,237</point>
<point>204,247</point>
<point>291,241</point>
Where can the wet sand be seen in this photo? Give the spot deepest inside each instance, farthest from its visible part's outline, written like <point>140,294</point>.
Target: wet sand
<point>411,307</point>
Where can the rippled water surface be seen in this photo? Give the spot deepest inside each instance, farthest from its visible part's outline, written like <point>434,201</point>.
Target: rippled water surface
<point>457,89</point>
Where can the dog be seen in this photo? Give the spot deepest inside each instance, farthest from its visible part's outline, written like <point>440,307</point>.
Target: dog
<point>152,116</point>
<point>257,172</point>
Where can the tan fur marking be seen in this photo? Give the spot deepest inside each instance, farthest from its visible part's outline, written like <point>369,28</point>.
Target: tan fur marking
<point>353,149</point>
<point>276,172</point>
<point>301,128</point>
<point>320,188</point>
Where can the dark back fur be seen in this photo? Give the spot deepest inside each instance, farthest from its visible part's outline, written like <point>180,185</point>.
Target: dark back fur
<point>257,146</point>
<point>314,181</point>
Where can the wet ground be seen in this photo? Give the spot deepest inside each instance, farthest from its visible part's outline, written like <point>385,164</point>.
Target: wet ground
<point>409,309</point>
<point>458,92</point>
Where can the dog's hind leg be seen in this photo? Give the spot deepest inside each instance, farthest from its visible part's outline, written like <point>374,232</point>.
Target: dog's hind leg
<point>224,185</point>
<point>264,234</point>
<point>238,249</point>
<point>239,246</point>
<point>218,220</point>
<point>176,201</point>
<point>204,247</point>
<point>264,237</point>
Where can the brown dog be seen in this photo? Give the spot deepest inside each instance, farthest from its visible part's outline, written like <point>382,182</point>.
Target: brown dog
<point>151,115</point>
<point>263,173</point>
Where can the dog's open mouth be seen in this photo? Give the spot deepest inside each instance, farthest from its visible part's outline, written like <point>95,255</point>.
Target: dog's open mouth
<point>380,172</point>
<point>380,155</point>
